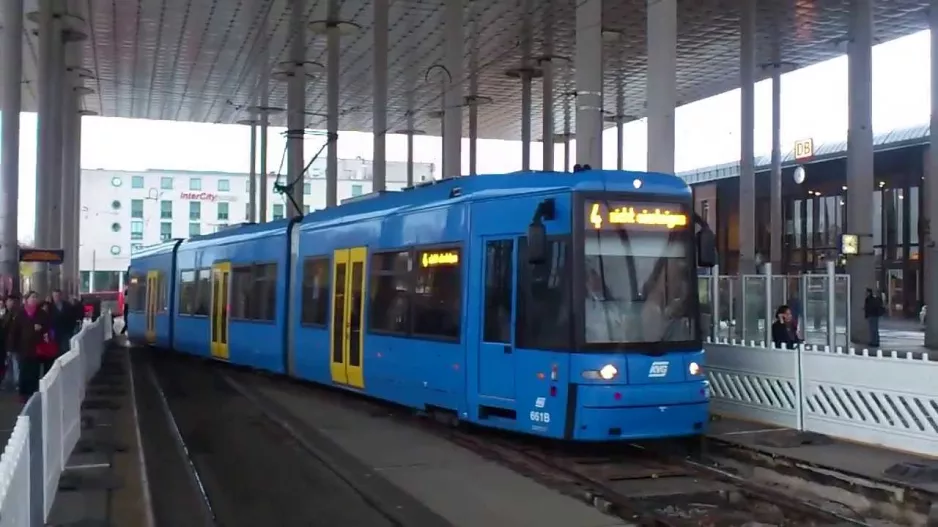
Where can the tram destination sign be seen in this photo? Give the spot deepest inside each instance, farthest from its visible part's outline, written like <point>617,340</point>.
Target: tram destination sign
<point>610,215</point>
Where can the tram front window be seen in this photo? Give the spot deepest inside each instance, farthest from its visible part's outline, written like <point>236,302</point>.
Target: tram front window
<point>639,285</point>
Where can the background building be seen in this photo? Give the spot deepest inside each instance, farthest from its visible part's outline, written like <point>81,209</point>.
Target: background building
<point>814,213</point>
<point>122,212</point>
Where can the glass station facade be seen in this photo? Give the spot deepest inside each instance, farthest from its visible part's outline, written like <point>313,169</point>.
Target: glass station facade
<point>815,215</point>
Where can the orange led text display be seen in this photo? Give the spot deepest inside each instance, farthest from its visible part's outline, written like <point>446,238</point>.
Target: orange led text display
<point>610,216</point>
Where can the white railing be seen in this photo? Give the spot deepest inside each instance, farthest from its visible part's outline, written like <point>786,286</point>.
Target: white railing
<point>883,398</point>
<point>50,423</point>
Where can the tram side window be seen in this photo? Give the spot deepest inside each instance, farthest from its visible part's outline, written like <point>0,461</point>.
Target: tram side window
<point>390,288</point>
<point>264,297</point>
<point>316,294</point>
<point>242,282</point>
<point>437,300</point>
<point>544,319</point>
<point>498,289</point>
<point>187,292</point>
<point>203,296</point>
<point>137,290</point>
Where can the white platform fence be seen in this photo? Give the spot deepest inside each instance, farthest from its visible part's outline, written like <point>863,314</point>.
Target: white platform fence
<point>883,398</point>
<point>47,430</point>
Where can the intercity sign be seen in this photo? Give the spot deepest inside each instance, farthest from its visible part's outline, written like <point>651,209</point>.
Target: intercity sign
<point>206,196</point>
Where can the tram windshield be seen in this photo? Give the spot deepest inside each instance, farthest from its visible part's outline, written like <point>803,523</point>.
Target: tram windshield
<point>639,273</point>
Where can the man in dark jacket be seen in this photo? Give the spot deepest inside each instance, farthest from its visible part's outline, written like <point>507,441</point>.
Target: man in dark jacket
<point>63,320</point>
<point>873,309</point>
<point>783,332</point>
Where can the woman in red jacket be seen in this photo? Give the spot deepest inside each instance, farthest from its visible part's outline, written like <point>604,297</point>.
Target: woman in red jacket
<point>29,337</point>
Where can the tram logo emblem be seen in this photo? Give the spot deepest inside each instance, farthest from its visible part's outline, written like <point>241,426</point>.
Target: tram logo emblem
<point>659,368</point>
<point>540,402</point>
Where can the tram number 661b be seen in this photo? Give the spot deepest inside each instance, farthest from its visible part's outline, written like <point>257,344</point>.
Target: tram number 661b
<point>540,417</point>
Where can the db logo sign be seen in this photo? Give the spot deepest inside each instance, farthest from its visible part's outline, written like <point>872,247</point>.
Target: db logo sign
<point>804,149</point>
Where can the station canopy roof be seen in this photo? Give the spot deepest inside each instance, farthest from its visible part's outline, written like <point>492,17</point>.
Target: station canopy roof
<point>198,60</point>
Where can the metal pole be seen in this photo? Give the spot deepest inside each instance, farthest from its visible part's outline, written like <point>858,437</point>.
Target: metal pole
<point>453,100</point>
<point>525,120</point>
<point>589,83</point>
<point>11,56</point>
<point>620,126</point>
<point>332,117</point>
<point>747,174</point>
<point>296,108</point>
<point>662,84</point>
<point>381,94</point>
<point>769,307</point>
<point>715,301</point>
<point>252,182</point>
<point>547,67</point>
<point>831,306</point>
<point>860,160</point>
<point>931,196</point>
<point>775,192</point>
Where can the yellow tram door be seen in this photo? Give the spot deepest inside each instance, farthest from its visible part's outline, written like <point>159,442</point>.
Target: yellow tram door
<point>152,300</point>
<point>346,335</point>
<point>221,277</point>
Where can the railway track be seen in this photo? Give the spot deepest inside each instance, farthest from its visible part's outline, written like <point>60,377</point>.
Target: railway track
<point>645,485</point>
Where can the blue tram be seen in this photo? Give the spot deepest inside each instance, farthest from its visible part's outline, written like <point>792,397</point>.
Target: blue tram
<point>555,304</point>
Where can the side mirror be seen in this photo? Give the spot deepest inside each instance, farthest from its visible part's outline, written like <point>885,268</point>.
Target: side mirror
<point>706,248</point>
<point>537,243</point>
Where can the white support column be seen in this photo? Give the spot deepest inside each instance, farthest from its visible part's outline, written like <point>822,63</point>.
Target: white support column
<point>566,133</point>
<point>747,169</point>
<point>620,123</point>
<point>410,152</point>
<point>11,63</point>
<point>547,103</point>
<point>264,114</point>
<point>379,121</point>
<point>589,83</point>
<point>860,161</point>
<point>48,136</point>
<point>662,84</point>
<point>332,118</point>
<point>252,182</point>
<point>296,108</point>
<point>76,210</point>
<point>473,130</point>
<point>262,184</point>
<point>57,135</point>
<point>931,196</point>
<point>66,192</point>
<point>453,99</point>
<point>775,191</point>
<point>525,120</point>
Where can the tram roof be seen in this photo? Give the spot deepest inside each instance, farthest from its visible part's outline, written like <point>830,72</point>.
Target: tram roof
<point>196,60</point>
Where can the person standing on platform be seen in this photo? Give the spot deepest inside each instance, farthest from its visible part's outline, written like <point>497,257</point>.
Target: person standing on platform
<point>63,320</point>
<point>29,332</point>
<point>11,309</point>
<point>783,332</point>
<point>873,309</point>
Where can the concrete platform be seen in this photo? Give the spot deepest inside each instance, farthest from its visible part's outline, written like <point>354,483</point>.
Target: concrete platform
<point>458,485</point>
<point>103,484</point>
<point>863,477</point>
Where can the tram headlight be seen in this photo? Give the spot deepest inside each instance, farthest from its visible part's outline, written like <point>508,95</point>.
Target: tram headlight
<point>693,369</point>
<point>606,373</point>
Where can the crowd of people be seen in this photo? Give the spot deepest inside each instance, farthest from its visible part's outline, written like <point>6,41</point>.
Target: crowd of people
<point>33,333</point>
